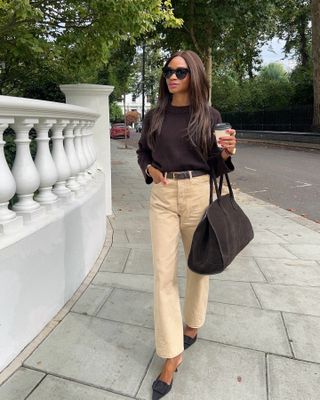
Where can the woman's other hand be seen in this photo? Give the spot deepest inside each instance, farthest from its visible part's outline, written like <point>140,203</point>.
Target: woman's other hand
<point>228,142</point>
<point>157,175</point>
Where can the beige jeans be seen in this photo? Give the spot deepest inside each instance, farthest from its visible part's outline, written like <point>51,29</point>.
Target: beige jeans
<point>176,209</point>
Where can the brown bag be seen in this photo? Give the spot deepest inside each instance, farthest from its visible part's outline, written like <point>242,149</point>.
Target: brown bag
<point>222,233</point>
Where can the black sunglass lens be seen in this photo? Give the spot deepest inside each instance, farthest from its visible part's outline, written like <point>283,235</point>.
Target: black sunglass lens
<point>181,73</point>
<point>167,72</point>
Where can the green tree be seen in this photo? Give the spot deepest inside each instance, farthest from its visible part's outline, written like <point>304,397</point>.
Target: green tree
<point>154,57</point>
<point>68,39</point>
<point>293,24</point>
<point>273,71</point>
<point>116,113</point>
<point>222,32</point>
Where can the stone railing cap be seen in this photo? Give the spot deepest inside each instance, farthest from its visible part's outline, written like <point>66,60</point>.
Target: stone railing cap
<point>23,107</point>
<point>86,88</point>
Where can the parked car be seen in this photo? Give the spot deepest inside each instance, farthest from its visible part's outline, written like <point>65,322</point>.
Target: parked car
<point>119,130</point>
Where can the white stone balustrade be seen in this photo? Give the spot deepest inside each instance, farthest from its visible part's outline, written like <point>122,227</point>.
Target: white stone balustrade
<point>52,174</point>
<point>46,243</point>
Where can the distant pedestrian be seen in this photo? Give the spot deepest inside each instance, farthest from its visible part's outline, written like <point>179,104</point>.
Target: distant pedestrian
<point>176,151</point>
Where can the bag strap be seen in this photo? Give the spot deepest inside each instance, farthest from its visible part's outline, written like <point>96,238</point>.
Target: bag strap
<point>218,189</point>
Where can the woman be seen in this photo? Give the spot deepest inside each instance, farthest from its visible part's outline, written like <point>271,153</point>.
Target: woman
<point>176,152</point>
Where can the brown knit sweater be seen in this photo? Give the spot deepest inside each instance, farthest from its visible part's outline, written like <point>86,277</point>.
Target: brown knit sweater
<point>173,151</point>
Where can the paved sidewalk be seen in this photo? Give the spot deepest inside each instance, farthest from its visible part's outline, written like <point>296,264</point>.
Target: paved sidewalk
<point>261,338</point>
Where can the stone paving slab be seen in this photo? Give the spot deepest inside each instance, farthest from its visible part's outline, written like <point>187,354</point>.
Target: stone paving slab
<point>290,379</point>
<point>91,300</point>
<point>243,269</point>
<point>267,237</point>
<point>299,235</point>
<point>305,251</point>
<point>120,237</point>
<point>290,272</point>
<point>140,262</point>
<point>138,235</point>
<point>19,385</point>
<point>108,354</point>
<point>269,251</point>
<point>115,260</point>
<point>301,300</point>
<point>213,371</point>
<point>246,327</point>
<point>129,306</point>
<point>304,332</point>
<point>239,293</point>
<point>142,283</point>
<point>54,388</point>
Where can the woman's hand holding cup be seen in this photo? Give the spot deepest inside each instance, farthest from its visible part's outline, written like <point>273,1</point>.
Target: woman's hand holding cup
<point>223,141</point>
<point>228,142</point>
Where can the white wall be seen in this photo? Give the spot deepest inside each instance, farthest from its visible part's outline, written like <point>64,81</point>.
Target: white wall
<point>45,264</point>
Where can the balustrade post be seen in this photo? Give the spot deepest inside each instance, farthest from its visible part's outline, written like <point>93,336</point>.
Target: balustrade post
<point>92,149</point>
<point>85,149</point>
<point>24,170</point>
<point>8,219</point>
<point>44,163</point>
<point>74,163</point>
<point>60,159</point>
<point>81,178</point>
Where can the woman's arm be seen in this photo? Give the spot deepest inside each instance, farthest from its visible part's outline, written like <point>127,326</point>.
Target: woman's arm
<point>144,152</point>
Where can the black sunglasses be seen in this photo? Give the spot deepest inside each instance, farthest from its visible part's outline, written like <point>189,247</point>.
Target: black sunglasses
<point>180,73</point>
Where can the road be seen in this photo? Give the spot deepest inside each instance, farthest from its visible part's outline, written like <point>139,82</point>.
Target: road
<point>285,177</point>
<point>281,176</point>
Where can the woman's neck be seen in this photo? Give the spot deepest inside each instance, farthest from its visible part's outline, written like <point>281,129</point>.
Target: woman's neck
<point>180,100</point>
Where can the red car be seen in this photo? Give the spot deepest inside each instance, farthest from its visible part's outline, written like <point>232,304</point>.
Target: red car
<point>119,130</point>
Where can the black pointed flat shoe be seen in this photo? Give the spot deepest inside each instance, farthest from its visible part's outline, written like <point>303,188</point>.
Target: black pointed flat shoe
<point>188,341</point>
<point>160,388</point>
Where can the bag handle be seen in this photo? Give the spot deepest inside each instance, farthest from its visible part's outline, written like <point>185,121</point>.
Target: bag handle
<point>213,181</point>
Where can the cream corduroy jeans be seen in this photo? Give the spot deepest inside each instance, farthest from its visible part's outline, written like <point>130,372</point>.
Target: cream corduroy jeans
<point>176,208</point>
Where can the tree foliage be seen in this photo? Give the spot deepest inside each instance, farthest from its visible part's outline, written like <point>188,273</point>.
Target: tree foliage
<point>293,24</point>
<point>69,40</point>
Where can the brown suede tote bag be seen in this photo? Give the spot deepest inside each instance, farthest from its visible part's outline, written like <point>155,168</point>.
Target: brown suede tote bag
<point>222,233</point>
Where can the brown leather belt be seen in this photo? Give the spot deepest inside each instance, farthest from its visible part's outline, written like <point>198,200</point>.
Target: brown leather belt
<point>185,174</point>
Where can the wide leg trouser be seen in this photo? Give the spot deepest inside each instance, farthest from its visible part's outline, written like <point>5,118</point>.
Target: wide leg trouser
<point>176,209</point>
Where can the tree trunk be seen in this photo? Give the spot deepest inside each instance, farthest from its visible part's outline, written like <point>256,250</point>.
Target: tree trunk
<point>303,51</point>
<point>315,15</point>
<point>208,66</point>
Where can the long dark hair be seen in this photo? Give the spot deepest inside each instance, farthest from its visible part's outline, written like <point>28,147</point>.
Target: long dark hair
<point>199,128</point>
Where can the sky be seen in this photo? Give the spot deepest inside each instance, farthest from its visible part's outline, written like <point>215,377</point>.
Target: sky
<point>272,52</point>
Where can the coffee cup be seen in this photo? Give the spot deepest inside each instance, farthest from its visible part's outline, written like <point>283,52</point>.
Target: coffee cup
<point>221,130</point>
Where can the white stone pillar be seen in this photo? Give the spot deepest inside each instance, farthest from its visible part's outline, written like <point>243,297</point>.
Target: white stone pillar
<point>44,163</point>
<point>24,170</point>
<point>96,97</point>
<point>8,219</point>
